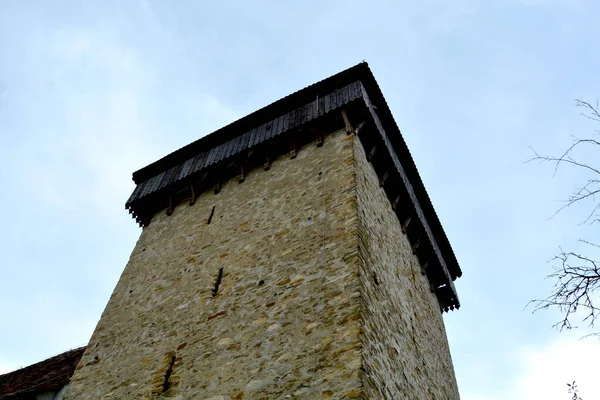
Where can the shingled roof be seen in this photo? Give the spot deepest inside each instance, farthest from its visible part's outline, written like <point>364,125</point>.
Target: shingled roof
<point>45,376</point>
<point>289,123</point>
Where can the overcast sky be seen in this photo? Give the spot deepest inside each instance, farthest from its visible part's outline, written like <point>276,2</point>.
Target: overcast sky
<point>91,91</point>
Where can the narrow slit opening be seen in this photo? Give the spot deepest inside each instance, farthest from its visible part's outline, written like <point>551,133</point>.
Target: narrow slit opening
<point>215,289</point>
<point>210,217</point>
<point>169,371</point>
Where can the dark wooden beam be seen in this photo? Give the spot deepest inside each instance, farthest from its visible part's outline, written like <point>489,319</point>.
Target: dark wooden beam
<point>347,124</point>
<point>203,177</point>
<point>145,221</point>
<point>424,267</point>
<point>242,177</point>
<point>395,202</point>
<point>415,246</point>
<point>293,149</point>
<point>170,208</point>
<point>359,127</point>
<point>319,136</point>
<point>383,179</point>
<point>405,224</point>
<point>371,153</point>
<point>193,189</point>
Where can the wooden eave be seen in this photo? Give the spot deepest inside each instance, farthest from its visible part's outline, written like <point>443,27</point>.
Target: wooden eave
<point>350,99</point>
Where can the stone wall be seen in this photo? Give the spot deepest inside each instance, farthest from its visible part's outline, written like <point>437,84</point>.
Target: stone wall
<point>405,349</point>
<point>285,319</point>
<point>297,283</point>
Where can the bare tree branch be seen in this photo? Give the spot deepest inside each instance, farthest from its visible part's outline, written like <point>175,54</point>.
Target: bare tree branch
<point>577,276</point>
<point>577,280</point>
<point>574,390</point>
<point>589,190</point>
<point>593,112</point>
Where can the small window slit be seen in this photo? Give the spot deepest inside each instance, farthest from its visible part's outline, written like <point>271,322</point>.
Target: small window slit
<point>167,383</point>
<point>210,217</point>
<point>215,289</point>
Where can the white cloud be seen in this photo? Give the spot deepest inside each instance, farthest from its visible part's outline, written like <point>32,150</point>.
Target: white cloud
<point>544,371</point>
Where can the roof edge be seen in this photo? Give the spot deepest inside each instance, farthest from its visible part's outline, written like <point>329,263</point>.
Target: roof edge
<point>359,72</point>
<point>251,120</point>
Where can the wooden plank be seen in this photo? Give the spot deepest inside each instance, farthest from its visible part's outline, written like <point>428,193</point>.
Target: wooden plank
<point>293,149</point>
<point>395,202</point>
<point>193,190</point>
<point>415,246</point>
<point>347,124</point>
<point>218,185</point>
<point>405,224</point>
<point>319,136</point>
<point>371,153</point>
<point>170,208</point>
<point>383,179</point>
<point>242,176</point>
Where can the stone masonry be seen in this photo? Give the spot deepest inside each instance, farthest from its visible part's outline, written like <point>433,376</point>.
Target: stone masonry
<point>295,284</point>
<point>403,340</point>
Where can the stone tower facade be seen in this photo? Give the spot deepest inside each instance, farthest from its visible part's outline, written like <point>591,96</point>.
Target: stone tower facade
<point>293,254</point>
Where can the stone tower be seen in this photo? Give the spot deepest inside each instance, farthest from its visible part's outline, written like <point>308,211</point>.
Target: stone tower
<point>293,254</point>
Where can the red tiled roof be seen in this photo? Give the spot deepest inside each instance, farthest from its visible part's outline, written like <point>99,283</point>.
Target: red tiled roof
<point>46,376</point>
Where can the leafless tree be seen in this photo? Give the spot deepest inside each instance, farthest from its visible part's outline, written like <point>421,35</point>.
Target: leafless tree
<point>577,275</point>
<point>574,390</point>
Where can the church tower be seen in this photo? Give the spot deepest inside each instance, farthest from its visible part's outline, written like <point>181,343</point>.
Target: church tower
<point>293,254</point>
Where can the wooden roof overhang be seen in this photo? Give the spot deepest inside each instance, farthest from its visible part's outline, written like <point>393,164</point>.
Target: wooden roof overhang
<point>351,100</point>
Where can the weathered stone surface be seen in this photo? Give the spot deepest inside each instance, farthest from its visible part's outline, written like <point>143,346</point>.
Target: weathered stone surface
<point>297,313</point>
<point>405,349</point>
<point>279,322</point>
